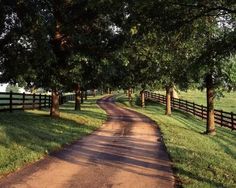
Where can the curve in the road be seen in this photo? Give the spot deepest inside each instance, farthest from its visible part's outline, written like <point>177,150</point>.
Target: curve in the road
<point>126,152</point>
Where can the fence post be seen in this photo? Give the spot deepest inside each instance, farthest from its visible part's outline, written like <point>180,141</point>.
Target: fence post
<point>40,101</point>
<point>60,103</point>
<point>49,101</point>
<point>186,105</point>
<point>221,118</point>
<point>172,103</point>
<point>142,99</point>
<point>194,109</point>
<point>23,101</point>
<point>232,120</point>
<point>34,101</point>
<point>45,101</point>
<point>10,104</point>
<point>63,100</point>
<point>66,98</point>
<point>202,111</point>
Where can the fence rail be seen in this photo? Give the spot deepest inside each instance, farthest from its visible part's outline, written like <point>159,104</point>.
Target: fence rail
<point>66,98</point>
<point>222,118</point>
<point>21,101</point>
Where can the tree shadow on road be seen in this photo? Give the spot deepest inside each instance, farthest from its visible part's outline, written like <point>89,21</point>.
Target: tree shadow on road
<point>28,136</point>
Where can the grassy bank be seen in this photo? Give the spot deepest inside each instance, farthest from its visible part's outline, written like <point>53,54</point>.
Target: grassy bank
<point>28,136</point>
<point>199,160</point>
<point>226,103</point>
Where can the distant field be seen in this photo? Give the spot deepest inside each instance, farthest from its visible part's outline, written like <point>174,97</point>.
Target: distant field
<point>226,103</point>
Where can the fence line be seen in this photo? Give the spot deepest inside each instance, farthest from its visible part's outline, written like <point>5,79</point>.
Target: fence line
<point>10,101</point>
<point>222,118</point>
<point>65,98</point>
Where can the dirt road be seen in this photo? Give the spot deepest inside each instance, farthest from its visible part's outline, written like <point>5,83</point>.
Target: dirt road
<point>126,152</point>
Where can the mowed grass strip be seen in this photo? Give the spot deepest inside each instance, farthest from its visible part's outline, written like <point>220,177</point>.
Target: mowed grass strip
<point>199,160</point>
<point>26,137</point>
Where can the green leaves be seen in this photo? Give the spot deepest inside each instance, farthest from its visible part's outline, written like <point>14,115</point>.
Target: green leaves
<point>133,30</point>
<point>117,42</point>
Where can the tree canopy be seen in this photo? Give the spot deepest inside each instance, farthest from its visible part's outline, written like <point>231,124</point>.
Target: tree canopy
<point>56,44</point>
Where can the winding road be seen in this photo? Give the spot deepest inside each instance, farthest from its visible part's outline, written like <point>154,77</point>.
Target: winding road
<point>126,152</point>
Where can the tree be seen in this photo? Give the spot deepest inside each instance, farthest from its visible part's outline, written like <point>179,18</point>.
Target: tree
<point>13,88</point>
<point>139,42</point>
<point>213,64</point>
<point>49,31</point>
<point>211,26</point>
<point>28,41</point>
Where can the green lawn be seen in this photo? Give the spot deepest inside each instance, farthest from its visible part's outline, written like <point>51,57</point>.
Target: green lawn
<point>199,160</point>
<point>226,103</point>
<point>26,137</point>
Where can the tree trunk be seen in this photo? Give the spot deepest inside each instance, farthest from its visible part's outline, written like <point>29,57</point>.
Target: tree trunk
<point>210,129</point>
<point>142,99</point>
<point>77,97</point>
<point>130,94</point>
<point>54,111</point>
<point>108,90</point>
<point>168,100</point>
<point>59,51</point>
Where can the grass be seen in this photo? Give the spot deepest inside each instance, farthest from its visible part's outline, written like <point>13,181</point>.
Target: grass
<point>226,103</point>
<point>26,137</point>
<point>199,160</point>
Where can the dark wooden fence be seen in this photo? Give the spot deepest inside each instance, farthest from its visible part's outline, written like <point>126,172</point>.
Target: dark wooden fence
<point>20,101</point>
<point>67,97</point>
<point>222,118</point>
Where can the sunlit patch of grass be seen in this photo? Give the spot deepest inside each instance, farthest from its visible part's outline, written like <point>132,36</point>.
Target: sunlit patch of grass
<point>28,136</point>
<point>199,160</point>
